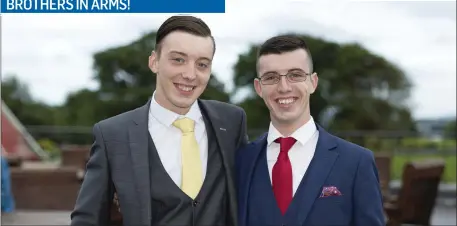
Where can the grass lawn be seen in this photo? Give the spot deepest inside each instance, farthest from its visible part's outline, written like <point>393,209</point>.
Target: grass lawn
<point>399,161</point>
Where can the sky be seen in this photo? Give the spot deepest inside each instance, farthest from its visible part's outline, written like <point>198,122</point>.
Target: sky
<point>53,53</point>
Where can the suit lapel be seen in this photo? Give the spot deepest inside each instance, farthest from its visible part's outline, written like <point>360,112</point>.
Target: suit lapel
<point>250,156</point>
<point>218,125</point>
<point>318,170</point>
<point>138,141</point>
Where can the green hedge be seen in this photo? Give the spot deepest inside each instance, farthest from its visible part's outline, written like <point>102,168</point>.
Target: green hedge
<point>410,149</point>
<point>50,147</point>
<point>409,144</point>
<point>399,161</point>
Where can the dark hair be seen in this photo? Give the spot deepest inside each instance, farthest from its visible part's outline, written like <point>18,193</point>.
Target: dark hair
<point>189,24</point>
<point>282,44</point>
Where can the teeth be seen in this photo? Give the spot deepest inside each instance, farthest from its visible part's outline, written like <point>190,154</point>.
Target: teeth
<point>185,88</point>
<point>286,101</point>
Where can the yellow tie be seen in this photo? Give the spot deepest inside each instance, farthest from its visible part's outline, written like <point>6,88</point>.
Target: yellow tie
<point>192,178</point>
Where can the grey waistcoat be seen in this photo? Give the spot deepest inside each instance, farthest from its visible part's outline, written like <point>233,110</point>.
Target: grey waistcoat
<point>172,207</point>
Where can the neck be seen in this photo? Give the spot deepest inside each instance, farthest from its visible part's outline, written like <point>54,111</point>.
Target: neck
<point>286,128</point>
<point>162,101</point>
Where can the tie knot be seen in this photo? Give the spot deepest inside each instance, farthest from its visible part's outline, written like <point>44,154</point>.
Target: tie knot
<point>186,125</point>
<point>285,143</point>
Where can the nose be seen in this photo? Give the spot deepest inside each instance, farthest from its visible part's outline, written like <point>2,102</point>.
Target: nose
<point>190,72</point>
<point>284,85</point>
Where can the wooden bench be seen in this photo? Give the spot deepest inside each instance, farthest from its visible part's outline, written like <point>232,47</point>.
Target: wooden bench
<point>416,199</point>
<point>383,163</point>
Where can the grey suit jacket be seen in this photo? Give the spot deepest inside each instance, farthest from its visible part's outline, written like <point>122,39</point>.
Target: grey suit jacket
<point>118,162</point>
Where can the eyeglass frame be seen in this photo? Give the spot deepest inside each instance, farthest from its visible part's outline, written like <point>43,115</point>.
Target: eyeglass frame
<point>284,75</point>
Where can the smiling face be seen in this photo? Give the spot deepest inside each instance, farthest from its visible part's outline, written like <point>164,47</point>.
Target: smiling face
<point>288,98</point>
<point>183,68</point>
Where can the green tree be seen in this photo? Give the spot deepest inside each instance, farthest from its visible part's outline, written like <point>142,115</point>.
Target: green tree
<point>358,90</point>
<point>16,95</point>
<point>450,130</point>
<point>83,108</point>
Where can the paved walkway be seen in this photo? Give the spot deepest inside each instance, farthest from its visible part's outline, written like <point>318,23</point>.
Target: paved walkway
<point>36,218</point>
<point>442,216</point>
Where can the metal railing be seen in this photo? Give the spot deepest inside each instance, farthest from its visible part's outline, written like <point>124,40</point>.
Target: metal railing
<point>392,140</point>
<point>34,146</point>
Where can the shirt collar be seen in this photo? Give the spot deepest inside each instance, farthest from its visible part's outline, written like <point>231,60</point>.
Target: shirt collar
<point>167,117</point>
<point>302,134</point>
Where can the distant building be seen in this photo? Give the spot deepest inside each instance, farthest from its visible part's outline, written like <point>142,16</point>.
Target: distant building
<point>433,128</point>
<point>15,140</point>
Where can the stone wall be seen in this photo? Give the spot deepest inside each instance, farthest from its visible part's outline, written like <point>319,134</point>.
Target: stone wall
<point>41,186</point>
<point>45,189</point>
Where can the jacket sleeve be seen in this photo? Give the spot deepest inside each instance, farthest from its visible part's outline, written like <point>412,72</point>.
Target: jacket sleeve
<point>95,197</point>
<point>368,204</point>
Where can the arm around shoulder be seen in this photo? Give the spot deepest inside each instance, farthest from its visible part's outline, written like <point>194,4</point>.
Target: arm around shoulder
<point>96,192</point>
<point>368,204</point>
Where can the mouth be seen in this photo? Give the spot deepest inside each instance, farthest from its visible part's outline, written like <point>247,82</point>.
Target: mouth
<point>184,89</point>
<point>286,101</point>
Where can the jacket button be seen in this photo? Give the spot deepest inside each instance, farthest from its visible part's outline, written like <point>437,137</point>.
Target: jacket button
<point>194,203</point>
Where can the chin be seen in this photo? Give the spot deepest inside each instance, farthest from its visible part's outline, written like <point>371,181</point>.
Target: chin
<point>286,117</point>
<point>183,104</point>
<point>285,120</point>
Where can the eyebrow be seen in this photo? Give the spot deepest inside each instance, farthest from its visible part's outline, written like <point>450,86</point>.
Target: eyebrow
<point>184,54</point>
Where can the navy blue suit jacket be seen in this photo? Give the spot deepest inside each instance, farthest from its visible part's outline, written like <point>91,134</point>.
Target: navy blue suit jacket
<point>336,162</point>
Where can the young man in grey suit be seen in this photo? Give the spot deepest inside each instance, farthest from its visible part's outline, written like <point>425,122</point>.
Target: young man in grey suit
<point>170,161</point>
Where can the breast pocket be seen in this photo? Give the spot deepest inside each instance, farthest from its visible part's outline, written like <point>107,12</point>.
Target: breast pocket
<point>330,201</point>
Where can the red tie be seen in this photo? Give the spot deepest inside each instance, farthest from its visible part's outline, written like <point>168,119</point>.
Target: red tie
<point>282,174</point>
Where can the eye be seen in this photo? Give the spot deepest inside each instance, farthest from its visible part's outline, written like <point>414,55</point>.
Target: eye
<point>202,65</point>
<point>296,75</point>
<point>179,60</point>
<point>268,77</point>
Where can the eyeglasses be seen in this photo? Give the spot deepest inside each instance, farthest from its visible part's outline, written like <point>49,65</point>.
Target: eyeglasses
<point>274,78</point>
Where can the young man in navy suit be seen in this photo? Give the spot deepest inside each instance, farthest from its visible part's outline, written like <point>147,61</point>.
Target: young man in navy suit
<point>297,173</point>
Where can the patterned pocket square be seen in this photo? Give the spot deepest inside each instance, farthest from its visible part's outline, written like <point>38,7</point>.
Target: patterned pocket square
<point>330,191</point>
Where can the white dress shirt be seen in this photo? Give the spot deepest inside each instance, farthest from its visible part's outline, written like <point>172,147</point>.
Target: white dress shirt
<point>167,138</point>
<point>300,154</point>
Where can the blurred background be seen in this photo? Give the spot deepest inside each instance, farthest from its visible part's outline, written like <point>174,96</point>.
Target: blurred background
<point>387,81</point>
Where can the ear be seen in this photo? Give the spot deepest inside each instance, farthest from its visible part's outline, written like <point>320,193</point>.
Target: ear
<point>314,79</point>
<point>258,87</point>
<point>153,62</point>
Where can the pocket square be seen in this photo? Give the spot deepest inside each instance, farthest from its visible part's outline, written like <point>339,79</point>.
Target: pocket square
<point>330,191</point>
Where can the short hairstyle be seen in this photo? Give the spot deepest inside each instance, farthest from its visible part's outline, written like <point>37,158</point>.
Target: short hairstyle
<point>282,44</point>
<point>188,24</point>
